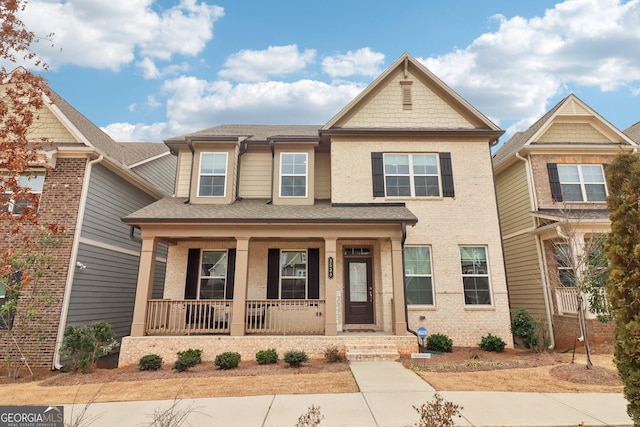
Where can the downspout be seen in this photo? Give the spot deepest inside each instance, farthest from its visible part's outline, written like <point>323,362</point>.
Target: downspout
<point>273,164</point>
<point>541,263</point>
<point>132,234</point>
<point>243,149</point>
<point>193,158</point>
<point>404,280</point>
<point>72,262</point>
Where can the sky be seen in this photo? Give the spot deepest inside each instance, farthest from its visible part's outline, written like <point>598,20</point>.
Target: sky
<point>147,70</point>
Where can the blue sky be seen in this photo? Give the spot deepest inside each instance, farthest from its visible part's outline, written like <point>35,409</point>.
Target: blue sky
<point>146,70</point>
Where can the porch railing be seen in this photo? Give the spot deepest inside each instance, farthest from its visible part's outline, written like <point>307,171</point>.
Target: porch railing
<point>284,317</point>
<point>188,317</point>
<point>567,299</point>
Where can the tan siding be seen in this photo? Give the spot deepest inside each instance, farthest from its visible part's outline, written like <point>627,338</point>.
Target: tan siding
<point>573,132</point>
<point>47,125</point>
<point>514,203</point>
<point>183,174</point>
<point>524,279</point>
<point>255,175</point>
<point>323,176</point>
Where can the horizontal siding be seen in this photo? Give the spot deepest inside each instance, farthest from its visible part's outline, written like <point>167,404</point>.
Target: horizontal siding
<point>255,176</point>
<point>323,176</point>
<point>110,198</point>
<point>524,279</point>
<point>160,172</point>
<point>183,173</point>
<point>514,204</point>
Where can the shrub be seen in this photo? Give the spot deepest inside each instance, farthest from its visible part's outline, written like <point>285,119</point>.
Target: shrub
<point>311,418</point>
<point>150,362</point>
<point>227,360</point>
<point>192,353</point>
<point>185,362</point>
<point>524,328</point>
<point>86,344</point>
<point>295,358</point>
<point>332,354</point>
<point>492,343</point>
<point>437,413</point>
<point>440,342</point>
<point>265,357</point>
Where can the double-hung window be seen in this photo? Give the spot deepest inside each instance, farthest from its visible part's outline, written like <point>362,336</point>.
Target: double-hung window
<point>565,263</point>
<point>293,174</point>
<point>293,274</point>
<point>475,275</point>
<point>411,175</point>
<point>582,183</point>
<point>213,275</point>
<point>213,175</point>
<point>34,182</point>
<point>418,276</point>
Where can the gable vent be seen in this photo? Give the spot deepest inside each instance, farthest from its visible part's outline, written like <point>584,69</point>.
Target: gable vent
<point>405,85</point>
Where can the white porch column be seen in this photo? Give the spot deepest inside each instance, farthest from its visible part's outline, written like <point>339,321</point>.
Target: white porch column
<point>400,322</point>
<point>145,285</point>
<point>240,287</point>
<point>330,287</point>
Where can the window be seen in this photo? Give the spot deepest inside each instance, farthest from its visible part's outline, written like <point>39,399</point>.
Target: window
<point>411,175</point>
<point>475,275</point>
<point>213,175</point>
<point>213,275</point>
<point>582,183</point>
<point>293,175</point>
<point>35,183</point>
<point>293,275</point>
<point>565,265</point>
<point>417,272</point>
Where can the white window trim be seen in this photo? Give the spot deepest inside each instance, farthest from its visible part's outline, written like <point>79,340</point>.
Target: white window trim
<point>583,184</point>
<point>11,201</point>
<point>296,277</point>
<point>487,275</point>
<point>412,175</point>
<point>433,292</point>
<point>226,170</point>
<point>306,176</point>
<point>200,276</point>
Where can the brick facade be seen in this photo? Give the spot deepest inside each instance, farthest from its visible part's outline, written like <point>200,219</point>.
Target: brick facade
<point>566,330</point>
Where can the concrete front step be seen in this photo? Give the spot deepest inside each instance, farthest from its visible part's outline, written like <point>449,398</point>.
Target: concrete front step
<point>372,352</point>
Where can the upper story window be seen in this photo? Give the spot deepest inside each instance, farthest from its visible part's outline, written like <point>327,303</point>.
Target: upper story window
<point>475,275</point>
<point>577,183</point>
<point>34,182</point>
<point>293,174</point>
<point>418,277</point>
<point>212,178</point>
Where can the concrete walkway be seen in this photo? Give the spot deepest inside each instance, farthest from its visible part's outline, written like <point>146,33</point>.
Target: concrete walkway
<point>387,393</point>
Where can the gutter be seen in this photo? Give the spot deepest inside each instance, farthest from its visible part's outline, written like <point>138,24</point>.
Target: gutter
<point>273,164</point>
<point>72,262</point>
<point>404,280</point>
<point>243,149</point>
<point>193,159</point>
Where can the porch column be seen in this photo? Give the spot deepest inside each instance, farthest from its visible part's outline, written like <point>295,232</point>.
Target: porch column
<point>145,285</point>
<point>400,323</point>
<point>330,287</point>
<point>240,287</point>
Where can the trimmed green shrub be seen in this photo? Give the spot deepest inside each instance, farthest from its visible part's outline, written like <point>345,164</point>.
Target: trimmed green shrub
<point>227,360</point>
<point>192,353</point>
<point>492,343</point>
<point>332,354</point>
<point>150,362</point>
<point>185,362</point>
<point>440,342</point>
<point>86,344</point>
<point>265,357</point>
<point>524,328</point>
<point>295,358</point>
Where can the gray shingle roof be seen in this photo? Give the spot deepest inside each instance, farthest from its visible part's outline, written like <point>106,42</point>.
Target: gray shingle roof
<point>134,152</point>
<point>575,213</point>
<point>174,209</point>
<point>256,132</point>
<point>633,132</point>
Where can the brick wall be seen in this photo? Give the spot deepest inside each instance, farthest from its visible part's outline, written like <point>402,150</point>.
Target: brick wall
<point>59,204</point>
<point>566,330</point>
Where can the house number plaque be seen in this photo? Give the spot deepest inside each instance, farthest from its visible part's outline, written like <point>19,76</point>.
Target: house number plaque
<point>330,267</point>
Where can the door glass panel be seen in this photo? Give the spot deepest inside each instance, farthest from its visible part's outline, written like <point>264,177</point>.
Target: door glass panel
<point>358,281</point>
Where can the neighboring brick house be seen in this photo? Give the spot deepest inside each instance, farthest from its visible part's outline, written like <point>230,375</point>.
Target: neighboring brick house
<point>382,221</point>
<point>87,182</point>
<point>550,182</point>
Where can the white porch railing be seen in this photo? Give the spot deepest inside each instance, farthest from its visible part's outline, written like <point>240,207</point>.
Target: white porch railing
<point>188,317</point>
<point>285,317</point>
<point>567,299</point>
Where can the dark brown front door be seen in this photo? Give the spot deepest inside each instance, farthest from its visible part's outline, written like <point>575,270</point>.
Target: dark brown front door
<point>359,291</point>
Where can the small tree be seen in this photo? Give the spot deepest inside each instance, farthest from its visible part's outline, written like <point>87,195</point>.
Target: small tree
<point>86,344</point>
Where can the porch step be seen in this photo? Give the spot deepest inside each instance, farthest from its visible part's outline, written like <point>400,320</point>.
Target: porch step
<point>372,352</point>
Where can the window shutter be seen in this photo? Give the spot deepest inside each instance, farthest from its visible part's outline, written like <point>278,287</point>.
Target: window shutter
<point>193,270</point>
<point>273,273</point>
<point>377,169</point>
<point>313,273</point>
<point>231,272</point>
<point>446,172</point>
<point>554,181</point>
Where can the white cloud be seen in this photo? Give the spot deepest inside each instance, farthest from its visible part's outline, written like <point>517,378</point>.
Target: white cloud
<point>127,132</point>
<point>259,65</point>
<point>132,107</point>
<point>363,62</point>
<point>152,102</point>
<point>108,34</point>
<point>149,69</point>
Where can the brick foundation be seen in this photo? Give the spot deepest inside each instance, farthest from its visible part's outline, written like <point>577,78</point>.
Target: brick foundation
<point>566,330</point>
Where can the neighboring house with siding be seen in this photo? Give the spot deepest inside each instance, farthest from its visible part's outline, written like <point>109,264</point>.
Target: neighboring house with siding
<point>359,231</point>
<point>548,177</point>
<point>87,183</point>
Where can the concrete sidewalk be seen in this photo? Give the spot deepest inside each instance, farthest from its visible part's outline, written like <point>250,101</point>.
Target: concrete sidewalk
<point>388,392</point>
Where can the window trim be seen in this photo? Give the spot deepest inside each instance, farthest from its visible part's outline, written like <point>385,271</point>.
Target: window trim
<point>200,276</point>
<point>487,274</point>
<point>430,275</point>
<point>412,175</point>
<point>306,175</point>
<point>581,183</point>
<point>10,205</point>
<point>305,257</point>
<point>560,266</point>
<point>226,173</point>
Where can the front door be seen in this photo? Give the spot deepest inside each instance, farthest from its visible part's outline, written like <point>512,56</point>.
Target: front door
<point>359,291</point>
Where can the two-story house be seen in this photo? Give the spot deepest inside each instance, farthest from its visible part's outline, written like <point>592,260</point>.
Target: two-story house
<point>551,187</point>
<point>86,183</point>
<point>359,231</point>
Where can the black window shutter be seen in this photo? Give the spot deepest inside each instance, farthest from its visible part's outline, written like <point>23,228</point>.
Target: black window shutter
<point>377,169</point>
<point>554,181</point>
<point>313,273</point>
<point>446,172</point>
<point>231,272</point>
<point>273,273</point>
<point>193,270</point>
